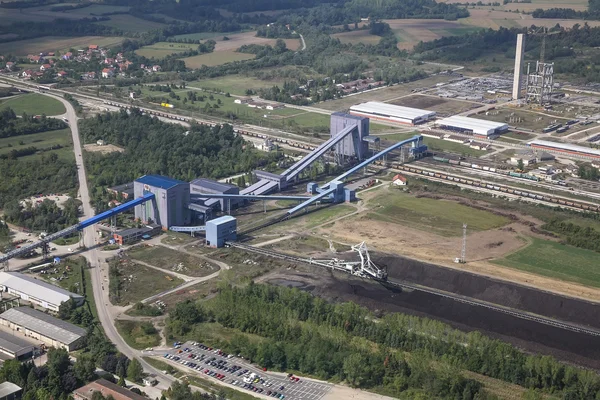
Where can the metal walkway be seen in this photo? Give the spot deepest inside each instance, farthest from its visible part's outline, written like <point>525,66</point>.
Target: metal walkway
<point>310,201</point>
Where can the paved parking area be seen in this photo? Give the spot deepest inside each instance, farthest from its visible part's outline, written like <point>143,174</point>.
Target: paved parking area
<point>243,375</point>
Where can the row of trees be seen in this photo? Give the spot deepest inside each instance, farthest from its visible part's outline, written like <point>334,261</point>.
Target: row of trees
<point>12,125</point>
<point>575,235</point>
<point>46,216</point>
<point>306,333</point>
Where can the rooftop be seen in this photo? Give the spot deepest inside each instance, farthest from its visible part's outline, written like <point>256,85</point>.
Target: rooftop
<point>471,123</point>
<point>346,115</point>
<point>163,182</point>
<point>221,220</point>
<point>565,146</point>
<point>126,187</point>
<point>268,174</point>
<point>36,288</point>
<point>213,185</point>
<point>8,388</point>
<point>375,107</point>
<point>44,324</point>
<point>13,343</point>
<point>107,388</point>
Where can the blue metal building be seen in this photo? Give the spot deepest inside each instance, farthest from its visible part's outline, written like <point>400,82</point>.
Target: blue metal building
<point>170,204</point>
<point>220,230</point>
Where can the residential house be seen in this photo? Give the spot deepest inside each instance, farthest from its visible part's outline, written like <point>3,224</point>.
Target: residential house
<point>61,74</point>
<point>275,106</point>
<point>51,54</point>
<point>10,65</point>
<point>125,66</point>
<point>399,180</point>
<point>93,47</point>
<point>88,76</point>
<point>35,59</point>
<point>26,74</point>
<point>479,146</point>
<point>109,61</point>
<point>108,72</point>
<point>156,68</point>
<point>242,100</point>
<point>45,67</point>
<point>67,56</point>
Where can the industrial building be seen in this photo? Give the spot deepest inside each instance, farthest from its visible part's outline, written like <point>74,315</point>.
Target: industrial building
<point>107,389</point>
<point>392,113</point>
<point>478,127</point>
<point>572,149</point>
<point>208,186</point>
<point>170,204</point>
<point>35,324</point>
<point>131,235</point>
<point>35,291</point>
<point>220,230</point>
<point>10,391</point>
<point>14,347</point>
<point>355,145</point>
<point>125,190</point>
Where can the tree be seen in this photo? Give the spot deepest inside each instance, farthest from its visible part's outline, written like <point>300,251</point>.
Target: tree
<point>135,370</point>
<point>85,368</point>
<point>356,370</point>
<point>520,164</point>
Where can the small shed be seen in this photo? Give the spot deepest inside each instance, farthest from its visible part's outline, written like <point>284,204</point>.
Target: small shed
<point>399,180</point>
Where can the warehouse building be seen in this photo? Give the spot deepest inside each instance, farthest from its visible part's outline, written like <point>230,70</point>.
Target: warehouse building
<point>49,330</point>
<point>572,149</point>
<point>170,205</point>
<point>35,291</point>
<point>10,391</point>
<point>14,347</point>
<point>392,113</point>
<point>132,235</point>
<point>107,389</point>
<point>478,127</point>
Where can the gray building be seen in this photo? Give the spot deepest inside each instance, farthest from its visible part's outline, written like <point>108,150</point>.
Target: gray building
<point>170,206</point>
<point>14,347</point>
<point>10,391</point>
<point>37,325</point>
<point>220,230</point>
<point>353,145</point>
<point>270,176</point>
<point>208,186</point>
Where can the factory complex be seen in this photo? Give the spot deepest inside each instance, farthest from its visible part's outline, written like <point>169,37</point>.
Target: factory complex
<point>37,292</point>
<point>567,148</point>
<point>51,331</point>
<point>478,127</point>
<point>392,113</point>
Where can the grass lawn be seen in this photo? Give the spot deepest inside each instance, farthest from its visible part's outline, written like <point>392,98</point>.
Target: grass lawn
<point>177,238</point>
<point>436,144</point>
<point>235,84</point>
<point>129,23</point>
<point>163,49</point>
<point>138,282</point>
<point>439,216</point>
<point>34,104</point>
<point>44,141</point>
<point>216,58</point>
<point>68,274</point>
<point>555,260</point>
<point>306,244</point>
<point>166,258</point>
<point>139,335</point>
<point>205,35</point>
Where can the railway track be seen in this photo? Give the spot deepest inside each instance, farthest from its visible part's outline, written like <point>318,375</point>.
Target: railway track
<point>436,292</point>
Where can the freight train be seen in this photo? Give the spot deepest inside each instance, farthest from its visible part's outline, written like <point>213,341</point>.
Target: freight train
<point>500,188</point>
<point>486,168</point>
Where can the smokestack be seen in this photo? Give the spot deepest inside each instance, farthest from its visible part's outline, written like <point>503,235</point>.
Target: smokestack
<point>518,67</point>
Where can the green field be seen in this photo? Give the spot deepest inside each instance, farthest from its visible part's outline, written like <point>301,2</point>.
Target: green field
<point>95,10</point>
<point>55,43</point>
<point>439,216</point>
<point>235,84</point>
<point>436,144</point>
<point>44,140</point>
<point>137,282</point>
<point>556,260</point>
<point>129,23</point>
<point>204,35</point>
<point>216,58</point>
<point>163,49</point>
<point>34,104</point>
<point>139,335</point>
<point>172,260</point>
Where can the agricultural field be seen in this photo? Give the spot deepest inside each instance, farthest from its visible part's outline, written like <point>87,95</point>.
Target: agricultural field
<point>357,36</point>
<point>205,35</point>
<point>216,58</point>
<point>577,5</point>
<point>55,43</point>
<point>237,40</point>
<point>167,259</point>
<point>129,23</point>
<point>164,49</point>
<point>444,107</point>
<point>555,260</point>
<point>139,335</point>
<point>43,140</point>
<point>137,282</point>
<point>34,104</point>
<point>441,217</point>
<point>235,84</point>
<point>94,10</point>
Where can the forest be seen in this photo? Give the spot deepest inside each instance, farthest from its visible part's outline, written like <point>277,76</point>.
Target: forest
<point>12,125</point>
<point>156,147</point>
<point>46,216</point>
<point>394,354</point>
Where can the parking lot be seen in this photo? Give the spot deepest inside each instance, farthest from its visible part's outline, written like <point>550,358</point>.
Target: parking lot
<point>234,371</point>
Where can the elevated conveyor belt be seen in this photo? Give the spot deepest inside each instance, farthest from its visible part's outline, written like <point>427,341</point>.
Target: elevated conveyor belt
<point>261,187</point>
<point>311,201</point>
<point>79,227</point>
<point>369,161</point>
<point>305,162</point>
<point>187,228</point>
<point>251,196</point>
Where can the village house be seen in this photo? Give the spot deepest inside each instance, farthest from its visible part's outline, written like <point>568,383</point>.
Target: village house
<point>61,74</point>
<point>399,180</point>
<point>108,72</point>
<point>10,65</point>
<point>156,68</point>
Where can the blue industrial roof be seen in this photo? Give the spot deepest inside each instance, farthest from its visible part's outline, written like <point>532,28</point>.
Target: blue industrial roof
<point>163,182</point>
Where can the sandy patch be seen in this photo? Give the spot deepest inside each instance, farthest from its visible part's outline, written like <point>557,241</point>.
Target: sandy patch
<point>345,393</point>
<point>107,148</point>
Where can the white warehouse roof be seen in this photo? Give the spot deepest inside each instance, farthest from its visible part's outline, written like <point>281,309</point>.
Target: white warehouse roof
<point>565,147</point>
<point>390,110</point>
<point>478,126</point>
<point>37,288</point>
<point>44,324</point>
